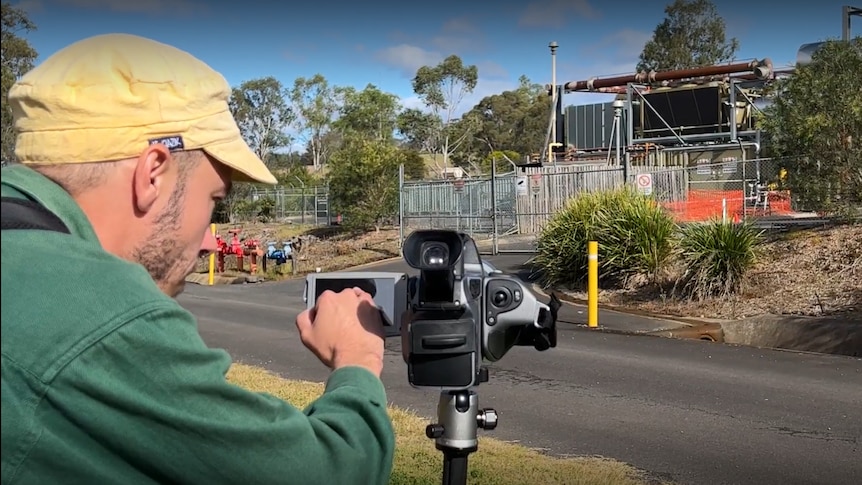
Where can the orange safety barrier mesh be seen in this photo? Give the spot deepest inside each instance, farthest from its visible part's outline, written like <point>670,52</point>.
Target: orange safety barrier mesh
<point>703,205</point>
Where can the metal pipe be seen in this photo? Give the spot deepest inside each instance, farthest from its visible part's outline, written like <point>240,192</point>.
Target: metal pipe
<point>400,205</point>
<point>732,112</point>
<point>720,146</point>
<point>762,69</point>
<point>694,137</point>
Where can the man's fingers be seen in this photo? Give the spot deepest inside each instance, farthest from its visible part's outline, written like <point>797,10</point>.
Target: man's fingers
<point>363,295</point>
<point>303,321</point>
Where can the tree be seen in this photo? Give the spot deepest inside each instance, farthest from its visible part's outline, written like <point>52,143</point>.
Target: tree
<point>289,170</point>
<point>315,103</point>
<point>371,113</point>
<point>363,182</point>
<point>414,164</point>
<point>18,57</point>
<point>442,88</point>
<point>815,121</point>
<point>513,121</point>
<point>691,35</point>
<point>263,115</point>
<point>418,129</point>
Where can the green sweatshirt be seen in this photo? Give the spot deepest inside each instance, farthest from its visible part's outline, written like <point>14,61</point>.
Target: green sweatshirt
<point>106,380</point>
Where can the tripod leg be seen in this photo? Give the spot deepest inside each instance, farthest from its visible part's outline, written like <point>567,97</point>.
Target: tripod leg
<point>455,467</point>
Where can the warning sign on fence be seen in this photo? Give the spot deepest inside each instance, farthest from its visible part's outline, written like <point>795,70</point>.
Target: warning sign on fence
<point>644,183</point>
<point>536,183</point>
<point>458,184</point>
<point>521,185</point>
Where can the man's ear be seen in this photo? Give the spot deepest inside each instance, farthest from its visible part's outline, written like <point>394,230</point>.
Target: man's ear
<point>150,178</point>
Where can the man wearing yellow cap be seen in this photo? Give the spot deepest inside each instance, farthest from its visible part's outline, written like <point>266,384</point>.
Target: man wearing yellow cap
<point>126,144</point>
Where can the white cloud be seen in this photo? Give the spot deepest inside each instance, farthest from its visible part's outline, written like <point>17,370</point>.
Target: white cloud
<point>555,13</point>
<point>412,102</point>
<point>408,58</point>
<point>491,69</point>
<point>620,46</point>
<point>459,25</point>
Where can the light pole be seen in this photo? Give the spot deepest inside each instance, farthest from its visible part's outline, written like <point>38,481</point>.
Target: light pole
<point>553,45</point>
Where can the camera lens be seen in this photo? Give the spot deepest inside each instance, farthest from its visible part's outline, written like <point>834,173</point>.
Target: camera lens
<point>436,255</point>
<point>500,298</point>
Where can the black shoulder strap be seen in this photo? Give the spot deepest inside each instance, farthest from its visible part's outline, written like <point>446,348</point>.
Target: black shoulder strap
<point>27,214</point>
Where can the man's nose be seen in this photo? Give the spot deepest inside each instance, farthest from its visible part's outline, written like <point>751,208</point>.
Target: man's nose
<point>209,244</point>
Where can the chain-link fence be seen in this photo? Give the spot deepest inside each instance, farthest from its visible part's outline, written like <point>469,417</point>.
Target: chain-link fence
<point>510,210</point>
<point>729,190</point>
<point>506,210</point>
<point>306,206</point>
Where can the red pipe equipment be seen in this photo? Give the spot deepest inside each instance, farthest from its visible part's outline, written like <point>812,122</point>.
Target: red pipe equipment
<point>760,69</point>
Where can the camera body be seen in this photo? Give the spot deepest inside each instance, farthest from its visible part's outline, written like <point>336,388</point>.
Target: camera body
<point>462,312</point>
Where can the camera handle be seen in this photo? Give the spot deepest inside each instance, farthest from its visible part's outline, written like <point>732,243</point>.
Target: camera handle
<point>455,433</point>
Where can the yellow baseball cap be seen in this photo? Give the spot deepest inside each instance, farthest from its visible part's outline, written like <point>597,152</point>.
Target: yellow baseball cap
<point>109,96</point>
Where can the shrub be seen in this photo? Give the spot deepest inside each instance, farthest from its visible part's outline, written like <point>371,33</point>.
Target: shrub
<point>716,256</point>
<point>634,236</point>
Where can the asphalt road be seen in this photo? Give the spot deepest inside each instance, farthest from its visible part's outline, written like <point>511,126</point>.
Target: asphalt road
<point>690,411</point>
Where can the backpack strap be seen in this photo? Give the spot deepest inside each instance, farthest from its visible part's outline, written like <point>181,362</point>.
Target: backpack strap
<point>26,214</point>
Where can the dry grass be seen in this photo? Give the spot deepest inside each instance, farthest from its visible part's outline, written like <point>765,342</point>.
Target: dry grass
<point>418,462</point>
<point>809,272</point>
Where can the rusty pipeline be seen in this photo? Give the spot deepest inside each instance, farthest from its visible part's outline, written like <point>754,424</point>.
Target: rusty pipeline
<point>761,69</point>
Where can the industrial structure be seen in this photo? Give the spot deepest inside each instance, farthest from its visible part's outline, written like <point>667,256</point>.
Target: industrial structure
<point>667,118</point>
<point>660,118</point>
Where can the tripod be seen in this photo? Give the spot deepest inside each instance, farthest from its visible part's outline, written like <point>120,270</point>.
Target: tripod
<point>459,419</point>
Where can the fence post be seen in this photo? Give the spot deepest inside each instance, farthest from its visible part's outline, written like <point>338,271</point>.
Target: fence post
<point>400,205</point>
<point>211,279</point>
<point>593,284</point>
<point>494,240</point>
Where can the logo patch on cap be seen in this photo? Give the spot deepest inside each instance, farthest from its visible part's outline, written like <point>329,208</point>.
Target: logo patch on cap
<point>174,142</point>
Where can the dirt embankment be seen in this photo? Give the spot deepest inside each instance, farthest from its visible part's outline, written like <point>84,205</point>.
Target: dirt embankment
<point>805,293</point>
<point>812,272</point>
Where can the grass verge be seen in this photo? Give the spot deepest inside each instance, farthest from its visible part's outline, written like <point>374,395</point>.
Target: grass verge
<point>417,462</point>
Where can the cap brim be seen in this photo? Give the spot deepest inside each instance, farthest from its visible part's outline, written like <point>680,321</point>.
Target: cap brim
<point>247,167</point>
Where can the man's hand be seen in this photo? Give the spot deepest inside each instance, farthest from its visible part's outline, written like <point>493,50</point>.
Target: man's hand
<point>344,329</point>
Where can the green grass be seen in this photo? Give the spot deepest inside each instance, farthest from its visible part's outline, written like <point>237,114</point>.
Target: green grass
<point>417,461</point>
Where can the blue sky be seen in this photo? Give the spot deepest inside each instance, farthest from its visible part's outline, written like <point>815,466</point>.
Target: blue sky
<point>356,43</point>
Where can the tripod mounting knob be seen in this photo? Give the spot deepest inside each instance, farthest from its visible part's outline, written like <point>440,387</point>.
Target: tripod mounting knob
<point>434,431</point>
<point>487,419</point>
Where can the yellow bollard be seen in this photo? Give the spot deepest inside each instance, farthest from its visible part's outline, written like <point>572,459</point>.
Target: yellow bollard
<point>212,259</point>
<point>593,284</point>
